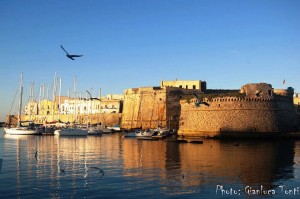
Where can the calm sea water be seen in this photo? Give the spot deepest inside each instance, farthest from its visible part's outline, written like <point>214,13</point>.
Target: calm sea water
<point>63,167</point>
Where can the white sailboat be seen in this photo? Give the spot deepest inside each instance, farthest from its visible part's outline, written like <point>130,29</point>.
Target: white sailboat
<point>70,131</point>
<point>19,130</point>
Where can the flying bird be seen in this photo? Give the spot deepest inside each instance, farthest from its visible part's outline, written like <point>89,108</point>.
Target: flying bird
<point>91,98</point>
<point>100,170</point>
<point>68,55</point>
<point>199,100</point>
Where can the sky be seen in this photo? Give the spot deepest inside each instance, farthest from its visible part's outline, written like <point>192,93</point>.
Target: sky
<point>138,43</point>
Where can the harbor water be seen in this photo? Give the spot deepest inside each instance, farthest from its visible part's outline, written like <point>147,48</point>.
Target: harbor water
<point>111,166</point>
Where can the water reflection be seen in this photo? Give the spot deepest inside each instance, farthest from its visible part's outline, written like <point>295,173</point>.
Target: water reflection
<point>62,166</point>
<point>251,163</point>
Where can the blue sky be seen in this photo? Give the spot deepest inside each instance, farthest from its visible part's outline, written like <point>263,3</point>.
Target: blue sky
<point>137,43</point>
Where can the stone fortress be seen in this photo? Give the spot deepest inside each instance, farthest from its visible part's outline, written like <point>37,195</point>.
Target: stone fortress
<point>253,110</point>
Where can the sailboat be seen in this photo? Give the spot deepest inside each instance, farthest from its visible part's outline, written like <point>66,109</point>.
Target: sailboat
<point>19,130</point>
<point>70,131</point>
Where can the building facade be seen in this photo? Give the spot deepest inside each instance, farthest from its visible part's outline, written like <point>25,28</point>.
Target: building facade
<point>185,84</point>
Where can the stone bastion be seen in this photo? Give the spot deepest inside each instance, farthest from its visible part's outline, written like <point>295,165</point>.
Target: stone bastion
<point>258,113</point>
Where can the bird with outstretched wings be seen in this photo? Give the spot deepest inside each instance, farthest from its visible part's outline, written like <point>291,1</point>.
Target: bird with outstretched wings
<point>68,55</point>
<point>92,98</point>
<point>199,100</point>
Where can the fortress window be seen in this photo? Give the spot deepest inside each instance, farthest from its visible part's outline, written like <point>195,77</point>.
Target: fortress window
<point>186,86</point>
<point>180,86</point>
<point>194,86</point>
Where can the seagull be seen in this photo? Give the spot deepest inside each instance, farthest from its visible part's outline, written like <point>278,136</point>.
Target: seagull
<point>199,100</point>
<point>68,55</point>
<point>92,98</point>
<point>100,170</point>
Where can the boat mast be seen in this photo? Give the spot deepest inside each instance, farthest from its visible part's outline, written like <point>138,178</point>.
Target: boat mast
<point>86,111</point>
<point>99,105</point>
<point>40,98</point>
<point>140,110</point>
<point>75,102</point>
<point>59,100</point>
<point>68,107</point>
<point>20,100</point>
<point>54,96</point>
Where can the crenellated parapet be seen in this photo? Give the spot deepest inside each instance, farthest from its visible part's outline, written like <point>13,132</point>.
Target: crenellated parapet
<point>243,99</point>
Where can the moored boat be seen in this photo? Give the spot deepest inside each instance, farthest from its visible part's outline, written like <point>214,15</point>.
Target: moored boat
<point>104,129</point>
<point>139,133</point>
<point>20,130</point>
<point>161,133</point>
<point>94,131</point>
<point>133,133</point>
<point>115,128</point>
<point>71,132</point>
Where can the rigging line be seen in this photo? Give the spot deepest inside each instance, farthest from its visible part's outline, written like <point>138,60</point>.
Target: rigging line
<point>13,102</point>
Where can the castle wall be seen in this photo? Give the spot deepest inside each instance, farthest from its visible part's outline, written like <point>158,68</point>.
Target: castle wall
<point>144,108</point>
<point>151,107</point>
<point>231,114</point>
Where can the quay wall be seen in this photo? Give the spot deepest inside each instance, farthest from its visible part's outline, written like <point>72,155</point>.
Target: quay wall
<point>228,115</point>
<point>107,119</point>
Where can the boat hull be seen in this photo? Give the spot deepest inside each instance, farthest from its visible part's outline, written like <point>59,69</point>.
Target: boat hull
<point>71,132</point>
<point>21,131</point>
<point>138,133</point>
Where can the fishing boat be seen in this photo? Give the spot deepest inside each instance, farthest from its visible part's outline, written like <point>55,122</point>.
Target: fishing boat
<point>133,133</point>
<point>104,129</point>
<point>21,130</point>
<point>94,131</point>
<point>71,132</point>
<point>138,133</point>
<point>115,128</point>
<point>161,133</point>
